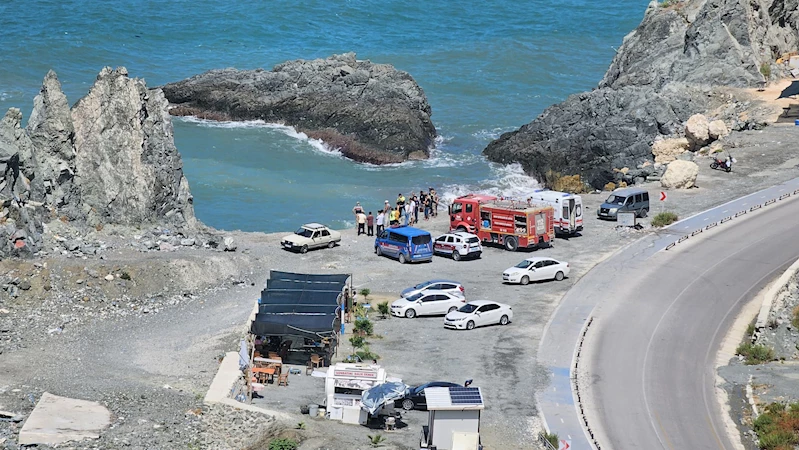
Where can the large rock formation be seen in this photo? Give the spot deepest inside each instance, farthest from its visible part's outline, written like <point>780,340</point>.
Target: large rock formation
<point>110,160</point>
<point>129,174</point>
<point>370,112</point>
<point>659,78</point>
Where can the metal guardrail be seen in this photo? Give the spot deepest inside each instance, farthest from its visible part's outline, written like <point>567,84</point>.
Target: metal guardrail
<point>729,218</point>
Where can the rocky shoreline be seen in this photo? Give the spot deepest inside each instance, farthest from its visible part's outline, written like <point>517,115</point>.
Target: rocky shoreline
<point>686,57</point>
<point>369,112</point>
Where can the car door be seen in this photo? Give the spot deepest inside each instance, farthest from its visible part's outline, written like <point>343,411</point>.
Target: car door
<point>549,269</point>
<point>482,315</point>
<point>426,304</point>
<point>537,271</point>
<point>325,238</point>
<point>494,313</point>
<point>440,244</point>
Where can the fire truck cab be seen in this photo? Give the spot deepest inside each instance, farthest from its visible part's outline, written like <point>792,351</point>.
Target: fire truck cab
<point>510,223</point>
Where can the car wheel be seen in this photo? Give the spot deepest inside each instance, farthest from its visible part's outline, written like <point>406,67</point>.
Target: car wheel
<point>525,280</point>
<point>402,258</point>
<point>407,404</point>
<point>378,251</point>
<point>411,313</point>
<point>456,255</point>
<point>453,308</point>
<point>511,244</point>
<point>559,276</point>
<point>304,249</point>
<point>504,320</point>
<point>331,244</point>
<point>470,325</point>
<point>644,212</point>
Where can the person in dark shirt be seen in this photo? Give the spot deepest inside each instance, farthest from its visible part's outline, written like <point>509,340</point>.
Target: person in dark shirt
<point>370,224</point>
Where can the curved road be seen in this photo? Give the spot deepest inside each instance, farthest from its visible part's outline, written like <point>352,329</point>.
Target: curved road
<point>647,363</point>
<point>651,351</point>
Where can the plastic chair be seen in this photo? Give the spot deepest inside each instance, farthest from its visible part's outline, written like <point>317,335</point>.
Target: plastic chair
<point>317,360</point>
<point>283,379</point>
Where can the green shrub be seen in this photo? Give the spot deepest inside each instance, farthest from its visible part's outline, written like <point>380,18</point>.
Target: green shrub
<point>755,354</point>
<point>383,308</point>
<point>765,70</point>
<point>366,354</point>
<point>364,326</point>
<point>359,311</point>
<point>376,439</point>
<point>553,439</point>
<point>750,331</point>
<point>283,444</point>
<point>778,440</point>
<point>795,318</point>
<point>357,341</point>
<point>664,218</point>
<point>365,293</point>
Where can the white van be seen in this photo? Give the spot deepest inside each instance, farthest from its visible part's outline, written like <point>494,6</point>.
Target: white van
<point>568,218</point>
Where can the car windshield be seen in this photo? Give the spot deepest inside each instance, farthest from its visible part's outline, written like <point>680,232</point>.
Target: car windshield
<point>468,308</point>
<point>615,200</point>
<point>304,232</point>
<point>472,240</point>
<point>415,297</point>
<point>524,264</point>
<point>421,285</point>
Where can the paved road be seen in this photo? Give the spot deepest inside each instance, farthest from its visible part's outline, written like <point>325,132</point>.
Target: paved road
<point>658,317</point>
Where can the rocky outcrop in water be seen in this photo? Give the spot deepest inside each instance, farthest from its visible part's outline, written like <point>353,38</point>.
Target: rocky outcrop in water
<point>370,112</point>
<point>111,159</point>
<point>676,63</point>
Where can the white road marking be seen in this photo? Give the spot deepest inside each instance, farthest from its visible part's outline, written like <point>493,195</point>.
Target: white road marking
<point>561,420</point>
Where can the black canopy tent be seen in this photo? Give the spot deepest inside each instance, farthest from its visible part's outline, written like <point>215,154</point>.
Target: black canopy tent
<point>295,304</point>
<point>311,326</point>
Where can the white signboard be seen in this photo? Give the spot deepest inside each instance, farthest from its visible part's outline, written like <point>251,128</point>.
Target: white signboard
<point>625,219</point>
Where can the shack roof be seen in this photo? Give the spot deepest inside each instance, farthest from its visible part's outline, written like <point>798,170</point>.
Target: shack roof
<point>454,398</point>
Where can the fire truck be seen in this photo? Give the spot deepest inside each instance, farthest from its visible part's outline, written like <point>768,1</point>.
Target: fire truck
<point>510,223</point>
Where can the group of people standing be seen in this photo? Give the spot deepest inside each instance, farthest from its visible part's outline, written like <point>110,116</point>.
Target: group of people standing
<point>405,211</point>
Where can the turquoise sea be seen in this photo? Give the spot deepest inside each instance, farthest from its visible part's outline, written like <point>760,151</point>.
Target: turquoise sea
<point>487,68</point>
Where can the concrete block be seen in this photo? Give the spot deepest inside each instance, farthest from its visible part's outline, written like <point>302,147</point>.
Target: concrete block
<point>56,419</point>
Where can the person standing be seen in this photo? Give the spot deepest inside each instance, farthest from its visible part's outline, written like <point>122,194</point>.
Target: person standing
<point>434,202</point>
<point>427,203</point>
<point>361,219</point>
<point>370,224</point>
<point>393,217</point>
<point>381,217</point>
<point>401,208</point>
<point>414,209</point>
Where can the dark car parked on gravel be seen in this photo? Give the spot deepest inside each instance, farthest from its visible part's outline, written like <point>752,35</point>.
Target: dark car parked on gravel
<point>415,398</point>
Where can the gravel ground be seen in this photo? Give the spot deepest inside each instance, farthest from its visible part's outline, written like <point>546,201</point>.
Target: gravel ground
<point>151,368</point>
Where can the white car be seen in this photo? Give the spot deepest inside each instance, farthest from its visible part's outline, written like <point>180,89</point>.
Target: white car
<point>478,313</point>
<point>449,286</point>
<point>458,244</point>
<point>426,304</point>
<point>311,235</point>
<point>536,269</point>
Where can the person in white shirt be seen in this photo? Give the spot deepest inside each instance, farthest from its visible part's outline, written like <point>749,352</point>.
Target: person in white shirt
<point>381,217</point>
<point>361,219</point>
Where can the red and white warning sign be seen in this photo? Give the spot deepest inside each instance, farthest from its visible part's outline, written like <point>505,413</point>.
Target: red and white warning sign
<point>564,444</point>
<point>662,196</point>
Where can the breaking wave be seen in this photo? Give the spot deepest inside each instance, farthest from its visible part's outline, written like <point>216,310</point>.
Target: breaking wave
<point>505,181</point>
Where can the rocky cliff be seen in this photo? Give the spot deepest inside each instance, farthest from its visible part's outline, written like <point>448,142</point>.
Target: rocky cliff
<point>370,112</point>
<point>684,58</point>
<point>111,159</point>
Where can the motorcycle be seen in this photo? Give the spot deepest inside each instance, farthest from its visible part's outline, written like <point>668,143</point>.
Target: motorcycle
<point>723,164</point>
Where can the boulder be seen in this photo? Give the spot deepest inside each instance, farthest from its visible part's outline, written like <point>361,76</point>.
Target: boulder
<point>667,150</point>
<point>679,175</point>
<point>717,129</point>
<point>697,132</point>
<point>370,112</point>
